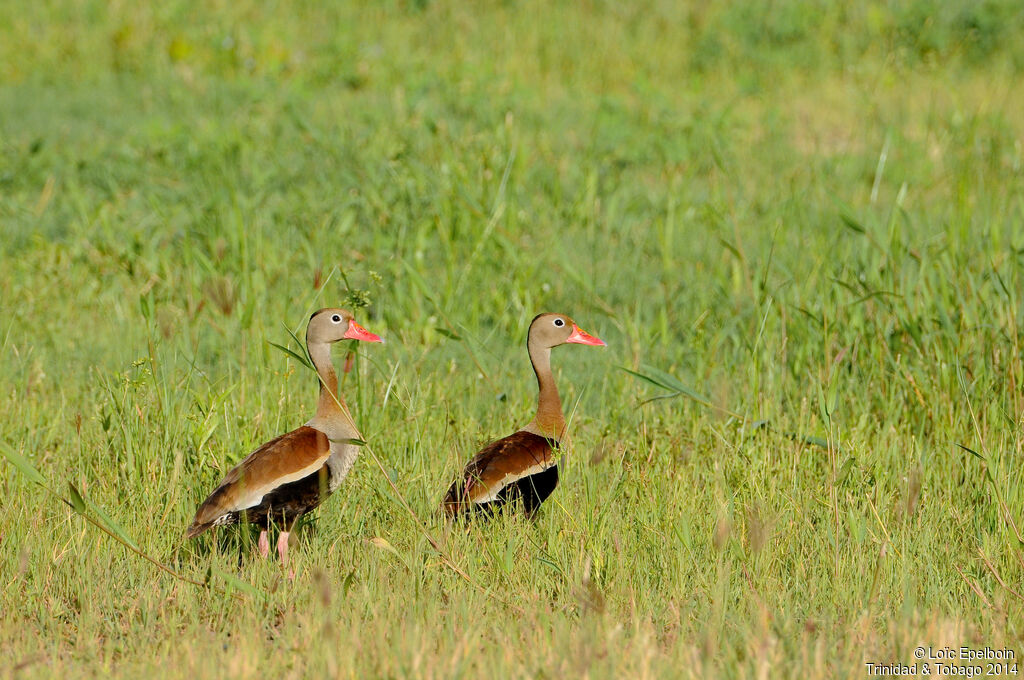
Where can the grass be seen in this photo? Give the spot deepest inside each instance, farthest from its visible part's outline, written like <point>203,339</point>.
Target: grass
<point>806,215</point>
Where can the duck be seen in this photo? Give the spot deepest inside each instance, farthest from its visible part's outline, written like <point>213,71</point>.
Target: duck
<point>288,476</point>
<point>521,469</point>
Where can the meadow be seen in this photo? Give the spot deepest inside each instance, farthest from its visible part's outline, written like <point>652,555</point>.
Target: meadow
<point>799,226</point>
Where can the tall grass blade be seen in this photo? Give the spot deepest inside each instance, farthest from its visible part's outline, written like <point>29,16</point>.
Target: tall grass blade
<point>108,523</point>
<point>352,441</point>
<point>988,473</point>
<point>20,462</point>
<point>293,354</point>
<point>237,584</point>
<point>77,502</point>
<point>666,381</point>
<point>302,345</point>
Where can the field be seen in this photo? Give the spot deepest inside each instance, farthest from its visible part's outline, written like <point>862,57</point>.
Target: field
<point>799,227</point>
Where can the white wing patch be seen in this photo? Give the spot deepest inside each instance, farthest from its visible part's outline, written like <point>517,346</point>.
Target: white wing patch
<point>493,492</point>
<point>254,496</point>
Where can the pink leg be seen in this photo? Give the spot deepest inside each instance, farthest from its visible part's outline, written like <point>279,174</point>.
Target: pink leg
<point>264,544</point>
<point>282,551</point>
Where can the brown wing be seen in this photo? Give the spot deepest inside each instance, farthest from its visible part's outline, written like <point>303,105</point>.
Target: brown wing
<point>286,459</point>
<point>497,465</point>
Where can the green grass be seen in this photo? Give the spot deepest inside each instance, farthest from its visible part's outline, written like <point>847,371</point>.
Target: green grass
<point>809,215</point>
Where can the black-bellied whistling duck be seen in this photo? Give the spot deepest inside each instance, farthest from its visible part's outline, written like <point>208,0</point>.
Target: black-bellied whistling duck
<point>289,476</point>
<point>522,465</point>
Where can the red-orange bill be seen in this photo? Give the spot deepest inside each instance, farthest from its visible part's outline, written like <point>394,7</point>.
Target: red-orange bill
<point>582,337</point>
<point>357,332</point>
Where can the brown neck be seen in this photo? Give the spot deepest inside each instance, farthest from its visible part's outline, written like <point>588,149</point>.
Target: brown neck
<point>549,421</point>
<point>330,404</point>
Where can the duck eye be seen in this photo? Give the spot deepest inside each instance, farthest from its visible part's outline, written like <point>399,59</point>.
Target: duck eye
<point>336,318</point>
<point>559,323</point>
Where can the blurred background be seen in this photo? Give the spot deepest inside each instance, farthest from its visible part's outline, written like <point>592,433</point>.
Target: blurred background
<point>713,185</point>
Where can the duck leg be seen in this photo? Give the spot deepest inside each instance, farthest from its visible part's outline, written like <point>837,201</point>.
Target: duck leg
<point>282,547</point>
<point>282,552</point>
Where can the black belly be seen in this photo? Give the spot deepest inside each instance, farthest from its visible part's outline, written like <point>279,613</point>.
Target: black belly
<point>287,503</point>
<point>531,491</point>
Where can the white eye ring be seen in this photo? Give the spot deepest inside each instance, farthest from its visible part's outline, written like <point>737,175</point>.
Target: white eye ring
<point>336,318</point>
<point>559,323</point>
